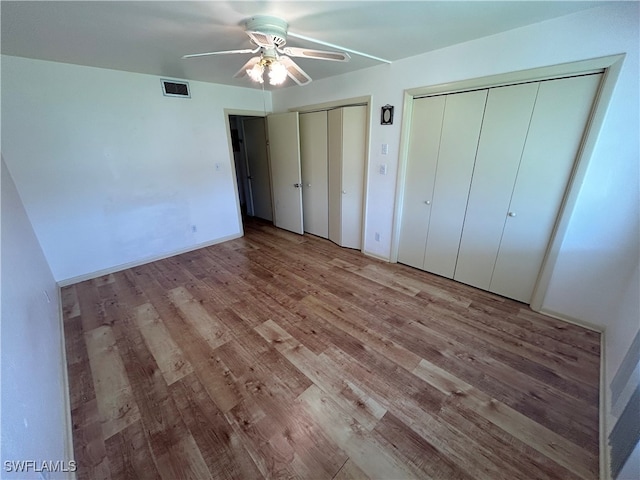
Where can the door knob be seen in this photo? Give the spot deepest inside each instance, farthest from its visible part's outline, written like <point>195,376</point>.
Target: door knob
<point>344,192</point>
<point>427,202</point>
<point>512,214</point>
<point>308,184</point>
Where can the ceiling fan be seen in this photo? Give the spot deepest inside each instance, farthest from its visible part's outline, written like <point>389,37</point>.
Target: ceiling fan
<point>269,35</point>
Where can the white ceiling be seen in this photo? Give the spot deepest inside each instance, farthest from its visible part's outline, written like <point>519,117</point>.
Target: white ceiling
<point>151,36</point>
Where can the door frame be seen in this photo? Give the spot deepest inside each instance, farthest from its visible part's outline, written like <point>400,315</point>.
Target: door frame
<point>347,102</point>
<point>227,112</point>
<point>610,66</point>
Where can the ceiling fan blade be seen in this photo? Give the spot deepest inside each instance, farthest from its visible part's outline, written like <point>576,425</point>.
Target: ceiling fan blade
<point>331,45</point>
<point>294,71</point>
<point>317,54</point>
<point>247,66</point>
<point>223,52</point>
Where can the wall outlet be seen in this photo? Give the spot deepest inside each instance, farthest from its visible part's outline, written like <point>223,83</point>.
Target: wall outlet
<point>383,169</point>
<point>377,236</point>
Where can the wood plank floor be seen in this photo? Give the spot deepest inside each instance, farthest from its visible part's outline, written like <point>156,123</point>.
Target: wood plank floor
<point>285,356</point>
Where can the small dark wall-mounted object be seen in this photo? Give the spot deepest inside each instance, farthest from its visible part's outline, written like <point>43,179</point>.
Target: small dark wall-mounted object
<point>386,117</point>
<point>174,88</point>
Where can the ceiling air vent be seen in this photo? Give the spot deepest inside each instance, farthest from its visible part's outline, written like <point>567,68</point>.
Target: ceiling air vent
<point>171,88</point>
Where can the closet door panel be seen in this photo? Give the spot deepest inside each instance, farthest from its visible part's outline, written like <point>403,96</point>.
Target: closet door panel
<point>424,144</point>
<point>458,143</point>
<point>557,126</point>
<point>313,157</point>
<point>353,153</point>
<point>504,130</point>
<point>284,155</point>
<point>334,131</point>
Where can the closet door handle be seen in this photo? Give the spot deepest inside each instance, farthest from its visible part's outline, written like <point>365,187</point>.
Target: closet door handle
<point>308,184</point>
<point>512,214</point>
<point>344,192</point>
<point>427,202</point>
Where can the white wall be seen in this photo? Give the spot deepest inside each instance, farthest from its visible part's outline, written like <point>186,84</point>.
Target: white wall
<point>34,411</point>
<point>600,250</point>
<point>112,172</point>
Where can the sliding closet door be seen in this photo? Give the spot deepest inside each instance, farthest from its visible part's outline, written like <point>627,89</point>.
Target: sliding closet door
<point>504,130</point>
<point>424,145</point>
<point>353,153</point>
<point>458,143</point>
<point>313,157</point>
<point>559,119</point>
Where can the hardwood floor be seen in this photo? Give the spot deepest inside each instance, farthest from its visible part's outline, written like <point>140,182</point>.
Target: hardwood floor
<point>285,356</point>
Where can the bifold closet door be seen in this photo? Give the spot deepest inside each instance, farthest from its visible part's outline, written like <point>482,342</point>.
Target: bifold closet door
<point>424,145</point>
<point>460,131</point>
<point>555,134</point>
<point>442,148</point>
<point>504,130</point>
<point>314,165</point>
<point>347,140</point>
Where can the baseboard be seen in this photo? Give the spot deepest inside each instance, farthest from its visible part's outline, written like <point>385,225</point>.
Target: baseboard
<point>573,320</point>
<point>605,471</point>
<point>118,268</point>
<point>66,395</point>
<point>376,256</point>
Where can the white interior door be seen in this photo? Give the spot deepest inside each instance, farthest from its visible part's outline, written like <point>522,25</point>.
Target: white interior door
<point>255,140</point>
<point>561,113</point>
<point>286,178</point>
<point>458,144</point>
<point>504,130</point>
<point>353,153</point>
<point>314,165</point>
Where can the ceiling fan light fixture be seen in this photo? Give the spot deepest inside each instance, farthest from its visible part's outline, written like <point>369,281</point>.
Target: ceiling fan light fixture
<point>277,73</point>
<point>255,73</point>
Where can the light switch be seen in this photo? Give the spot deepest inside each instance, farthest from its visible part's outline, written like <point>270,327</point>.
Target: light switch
<point>383,169</point>
<point>385,148</point>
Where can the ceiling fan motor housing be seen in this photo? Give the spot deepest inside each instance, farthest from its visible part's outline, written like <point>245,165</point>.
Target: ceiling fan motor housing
<point>266,30</point>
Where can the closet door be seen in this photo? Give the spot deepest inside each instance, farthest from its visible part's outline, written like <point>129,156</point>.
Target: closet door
<point>458,143</point>
<point>424,145</point>
<point>347,137</point>
<point>313,158</point>
<point>352,193</point>
<point>335,174</point>
<point>442,149</point>
<point>504,130</point>
<point>284,155</point>
<point>559,119</point>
